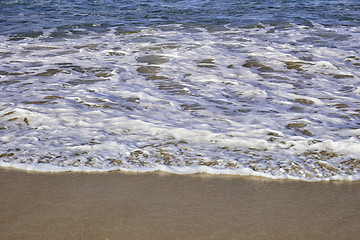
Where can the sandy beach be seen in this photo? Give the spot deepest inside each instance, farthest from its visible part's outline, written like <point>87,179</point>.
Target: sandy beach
<point>120,205</point>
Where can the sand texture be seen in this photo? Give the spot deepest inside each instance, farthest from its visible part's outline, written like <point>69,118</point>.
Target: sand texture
<point>165,206</point>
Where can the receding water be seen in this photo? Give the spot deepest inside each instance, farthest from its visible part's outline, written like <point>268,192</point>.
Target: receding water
<point>267,88</point>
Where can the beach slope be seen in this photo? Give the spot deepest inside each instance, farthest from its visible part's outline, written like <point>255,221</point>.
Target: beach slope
<point>149,206</point>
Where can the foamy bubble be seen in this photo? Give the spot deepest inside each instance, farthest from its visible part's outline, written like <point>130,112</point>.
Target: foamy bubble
<point>254,101</point>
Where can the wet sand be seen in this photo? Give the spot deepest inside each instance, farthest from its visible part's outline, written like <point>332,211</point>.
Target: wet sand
<point>165,206</point>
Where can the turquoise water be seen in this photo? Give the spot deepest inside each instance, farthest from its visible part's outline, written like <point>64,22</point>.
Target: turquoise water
<point>266,88</point>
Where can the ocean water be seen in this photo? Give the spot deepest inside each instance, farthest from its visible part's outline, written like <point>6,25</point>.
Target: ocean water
<point>266,88</point>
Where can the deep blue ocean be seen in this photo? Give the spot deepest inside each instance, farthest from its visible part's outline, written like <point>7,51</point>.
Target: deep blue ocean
<point>267,88</point>
<point>31,18</point>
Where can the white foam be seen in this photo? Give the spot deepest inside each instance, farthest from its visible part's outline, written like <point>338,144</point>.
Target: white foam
<point>197,102</point>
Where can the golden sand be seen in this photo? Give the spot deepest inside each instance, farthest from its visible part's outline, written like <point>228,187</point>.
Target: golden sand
<point>160,206</point>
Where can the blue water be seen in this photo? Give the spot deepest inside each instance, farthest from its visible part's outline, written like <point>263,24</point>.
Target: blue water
<point>31,18</point>
<point>266,88</point>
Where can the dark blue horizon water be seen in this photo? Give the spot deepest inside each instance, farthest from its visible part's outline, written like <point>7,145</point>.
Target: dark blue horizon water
<point>22,18</point>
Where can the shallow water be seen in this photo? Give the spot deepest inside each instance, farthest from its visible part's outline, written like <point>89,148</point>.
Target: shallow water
<point>267,88</point>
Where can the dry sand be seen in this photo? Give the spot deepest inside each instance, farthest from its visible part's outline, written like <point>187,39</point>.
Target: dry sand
<point>165,206</point>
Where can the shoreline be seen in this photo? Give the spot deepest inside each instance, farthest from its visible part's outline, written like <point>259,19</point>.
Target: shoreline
<point>200,170</point>
<point>121,205</point>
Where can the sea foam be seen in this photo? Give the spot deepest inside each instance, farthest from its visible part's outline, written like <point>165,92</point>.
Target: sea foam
<point>266,100</point>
